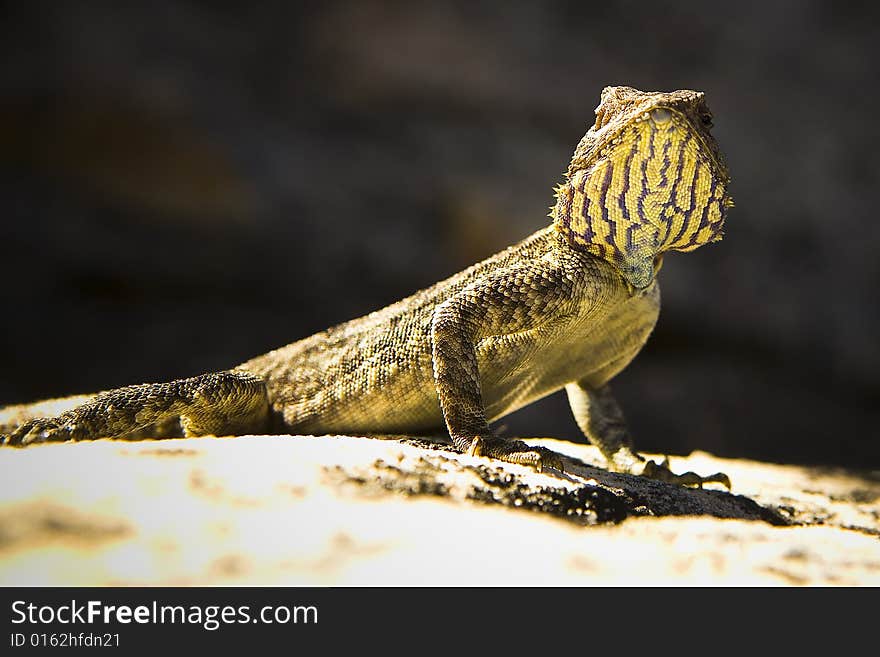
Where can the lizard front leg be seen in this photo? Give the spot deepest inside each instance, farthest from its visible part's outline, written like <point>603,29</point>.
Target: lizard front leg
<point>599,417</point>
<point>508,302</point>
<point>220,403</point>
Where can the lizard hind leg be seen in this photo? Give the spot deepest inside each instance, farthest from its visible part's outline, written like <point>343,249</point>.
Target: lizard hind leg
<point>226,403</point>
<point>220,403</point>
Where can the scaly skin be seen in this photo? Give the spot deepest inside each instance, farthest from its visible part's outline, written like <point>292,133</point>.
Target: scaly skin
<point>569,307</point>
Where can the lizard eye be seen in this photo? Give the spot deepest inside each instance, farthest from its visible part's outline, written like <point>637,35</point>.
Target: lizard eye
<point>706,119</point>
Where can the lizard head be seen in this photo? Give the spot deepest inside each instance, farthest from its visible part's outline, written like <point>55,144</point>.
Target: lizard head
<point>646,178</point>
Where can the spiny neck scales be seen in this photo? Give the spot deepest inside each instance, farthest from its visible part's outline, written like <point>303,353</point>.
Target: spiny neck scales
<point>647,178</point>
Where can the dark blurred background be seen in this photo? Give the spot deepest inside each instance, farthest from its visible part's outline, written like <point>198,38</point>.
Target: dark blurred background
<point>186,185</point>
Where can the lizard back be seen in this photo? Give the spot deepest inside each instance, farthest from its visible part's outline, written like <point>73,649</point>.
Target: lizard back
<point>375,374</point>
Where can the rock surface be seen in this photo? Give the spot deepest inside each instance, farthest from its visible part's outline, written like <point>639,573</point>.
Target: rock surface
<point>299,510</point>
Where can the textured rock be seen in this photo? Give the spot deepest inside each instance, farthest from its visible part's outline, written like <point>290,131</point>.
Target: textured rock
<point>346,510</point>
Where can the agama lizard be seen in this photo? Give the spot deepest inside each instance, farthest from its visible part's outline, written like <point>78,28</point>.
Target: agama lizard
<point>568,307</point>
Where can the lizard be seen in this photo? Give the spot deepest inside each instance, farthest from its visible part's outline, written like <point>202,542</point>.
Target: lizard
<point>568,307</point>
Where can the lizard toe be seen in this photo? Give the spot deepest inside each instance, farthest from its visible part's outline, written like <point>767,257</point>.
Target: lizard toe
<point>38,430</point>
<point>515,451</point>
<point>661,472</point>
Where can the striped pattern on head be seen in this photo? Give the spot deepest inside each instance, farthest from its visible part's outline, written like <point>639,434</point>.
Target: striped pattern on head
<point>647,178</point>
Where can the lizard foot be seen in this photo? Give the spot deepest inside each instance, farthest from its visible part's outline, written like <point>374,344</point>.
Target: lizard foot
<point>515,451</point>
<point>661,472</point>
<point>38,430</point>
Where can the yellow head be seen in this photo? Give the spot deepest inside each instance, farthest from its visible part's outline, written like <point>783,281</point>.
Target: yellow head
<point>646,178</point>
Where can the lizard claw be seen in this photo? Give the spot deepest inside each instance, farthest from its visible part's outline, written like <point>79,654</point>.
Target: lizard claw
<point>515,451</point>
<point>661,472</point>
<point>38,430</point>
